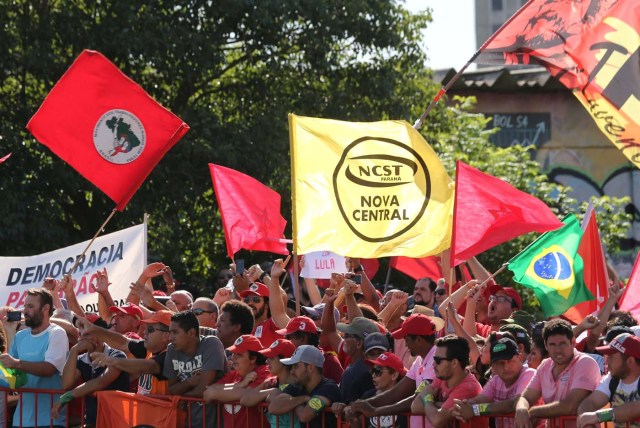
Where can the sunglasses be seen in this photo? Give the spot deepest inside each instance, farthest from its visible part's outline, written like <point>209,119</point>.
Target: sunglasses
<point>254,299</point>
<point>377,371</point>
<point>440,292</point>
<point>151,329</point>
<point>438,360</point>
<point>200,311</point>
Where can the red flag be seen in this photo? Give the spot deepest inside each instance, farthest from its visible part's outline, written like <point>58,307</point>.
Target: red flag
<point>250,212</point>
<point>630,301</point>
<point>5,158</point>
<point>595,273</point>
<point>105,126</point>
<point>418,268</point>
<point>592,47</point>
<point>489,211</point>
<point>370,266</point>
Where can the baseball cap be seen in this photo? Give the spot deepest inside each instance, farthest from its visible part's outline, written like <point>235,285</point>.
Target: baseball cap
<point>317,310</point>
<point>511,292</point>
<point>615,331</point>
<point>128,309</point>
<point>279,348</point>
<point>519,332</point>
<point>359,326</point>
<point>388,359</point>
<point>159,317</point>
<point>416,324</point>
<point>306,354</point>
<point>376,341</point>
<point>246,342</point>
<point>437,321</point>
<point>256,289</point>
<point>626,343</point>
<point>301,324</point>
<point>503,349</point>
<point>95,319</point>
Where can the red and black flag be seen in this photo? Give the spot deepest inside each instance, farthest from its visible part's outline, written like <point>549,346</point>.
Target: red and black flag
<point>592,47</point>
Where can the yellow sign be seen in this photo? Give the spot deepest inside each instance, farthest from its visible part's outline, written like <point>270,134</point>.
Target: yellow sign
<point>367,189</point>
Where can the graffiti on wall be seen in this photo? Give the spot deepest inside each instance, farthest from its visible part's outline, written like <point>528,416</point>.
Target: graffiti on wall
<point>524,129</point>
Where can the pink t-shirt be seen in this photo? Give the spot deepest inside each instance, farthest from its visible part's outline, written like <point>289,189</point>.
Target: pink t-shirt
<point>581,373</point>
<point>497,391</point>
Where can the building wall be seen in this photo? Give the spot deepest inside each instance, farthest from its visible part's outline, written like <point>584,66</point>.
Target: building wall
<point>575,153</point>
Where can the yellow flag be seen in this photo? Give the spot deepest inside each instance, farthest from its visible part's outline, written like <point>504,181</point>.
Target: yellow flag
<point>367,189</point>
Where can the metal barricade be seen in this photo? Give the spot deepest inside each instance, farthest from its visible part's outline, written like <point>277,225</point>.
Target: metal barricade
<point>10,411</point>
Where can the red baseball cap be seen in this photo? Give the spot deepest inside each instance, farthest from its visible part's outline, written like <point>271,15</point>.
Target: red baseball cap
<point>511,292</point>
<point>301,324</point>
<point>416,324</point>
<point>159,317</point>
<point>256,289</point>
<point>128,309</point>
<point>625,343</point>
<point>246,342</point>
<point>282,348</point>
<point>388,359</point>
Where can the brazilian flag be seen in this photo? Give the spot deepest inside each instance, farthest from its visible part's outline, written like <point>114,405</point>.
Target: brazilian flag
<point>552,267</point>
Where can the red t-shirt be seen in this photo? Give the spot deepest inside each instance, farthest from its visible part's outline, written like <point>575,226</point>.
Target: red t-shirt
<point>266,332</point>
<point>332,368</point>
<point>468,388</point>
<point>238,416</point>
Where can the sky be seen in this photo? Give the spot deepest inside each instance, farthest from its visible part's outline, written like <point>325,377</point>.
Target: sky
<point>450,39</point>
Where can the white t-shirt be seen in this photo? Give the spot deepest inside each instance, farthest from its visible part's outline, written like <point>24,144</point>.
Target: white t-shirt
<point>625,393</point>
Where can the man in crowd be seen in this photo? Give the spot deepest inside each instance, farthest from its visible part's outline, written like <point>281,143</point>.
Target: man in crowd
<point>423,292</point>
<point>257,297</point>
<point>236,319</point>
<point>127,318</point>
<point>502,302</point>
<point>41,351</point>
<point>453,382</point>
<point>356,379</point>
<point>182,299</point>
<point>192,363</point>
<point>619,386</point>
<point>311,394</point>
<point>563,380</point>
<point>207,312</point>
<point>419,333</point>
<point>500,394</point>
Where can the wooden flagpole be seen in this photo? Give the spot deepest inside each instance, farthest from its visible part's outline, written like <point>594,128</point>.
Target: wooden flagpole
<point>81,256</point>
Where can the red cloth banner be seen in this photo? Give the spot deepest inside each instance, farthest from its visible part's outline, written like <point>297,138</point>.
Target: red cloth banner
<point>418,268</point>
<point>489,211</point>
<point>592,47</point>
<point>250,212</point>
<point>105,126</point>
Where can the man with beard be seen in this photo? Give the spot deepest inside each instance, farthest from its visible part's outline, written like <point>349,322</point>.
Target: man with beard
<point>453,381</point>
<point>618,387</point>
<point>563,380</point>
<point>419,333</point>
<point>41,351</point>
<point>503,389</point>
<point>257,297</point>
<point>311,392</point>
<point>502,302</point>
<point>423,292</point>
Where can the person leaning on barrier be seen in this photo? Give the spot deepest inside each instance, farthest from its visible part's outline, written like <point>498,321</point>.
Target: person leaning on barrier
<point>40,350</point>
<point>311,393</point>
<point>274,385</point>
<point>620,386</point>
<point>80,367</point>
<point>192,363</point>
<point>453,382</point>
<point>500,394</point>
<point>156,340</point>
<point>419,333</point>
<point>563,380</point>
<point>249,370</point>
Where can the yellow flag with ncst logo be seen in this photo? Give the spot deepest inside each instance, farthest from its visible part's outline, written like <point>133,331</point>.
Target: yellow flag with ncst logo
<point>367,189</point>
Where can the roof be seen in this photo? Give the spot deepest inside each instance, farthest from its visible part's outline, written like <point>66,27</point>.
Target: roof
<point>500,79</point>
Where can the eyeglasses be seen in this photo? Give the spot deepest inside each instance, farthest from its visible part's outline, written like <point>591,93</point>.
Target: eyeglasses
<point>438,360</point>
<point>440,292</point>
<point>254,299</point>
<point>500,299</point>
<point>151,329</point>
<point>200,311</point>
<point>377,371</point>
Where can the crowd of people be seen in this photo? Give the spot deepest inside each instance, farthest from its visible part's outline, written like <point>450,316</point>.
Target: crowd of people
<point>354,354</point>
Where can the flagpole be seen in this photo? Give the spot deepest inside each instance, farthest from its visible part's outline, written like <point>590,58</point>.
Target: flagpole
<point>386,281</point>
<point>493,275</point>
<point>296,282</point>
<point>75,265</point>
<point>418,123</point>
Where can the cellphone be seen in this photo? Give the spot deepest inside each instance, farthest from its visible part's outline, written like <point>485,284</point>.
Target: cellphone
<point>240,266</point>
<point>357,279</point>
<point>14,316</point>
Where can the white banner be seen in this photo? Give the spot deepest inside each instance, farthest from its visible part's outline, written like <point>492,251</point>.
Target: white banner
<point>321,264</point>
<point>123,254</point>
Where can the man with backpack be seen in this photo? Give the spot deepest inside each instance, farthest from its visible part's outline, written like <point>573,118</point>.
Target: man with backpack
<point>620,386</point>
